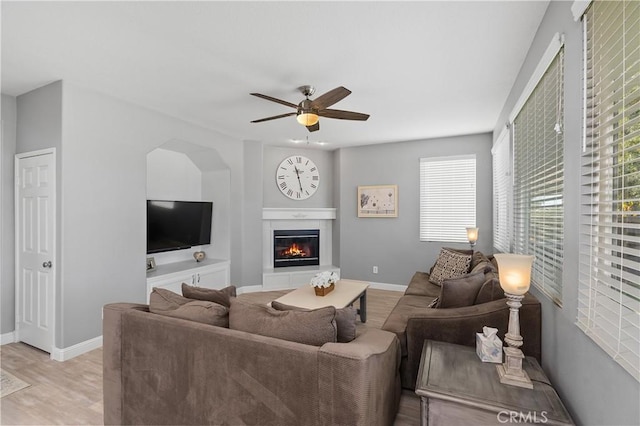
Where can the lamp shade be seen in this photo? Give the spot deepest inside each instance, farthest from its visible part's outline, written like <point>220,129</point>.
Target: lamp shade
<point>515,272</point>
<point>472,234</point>
<point>307,118</point>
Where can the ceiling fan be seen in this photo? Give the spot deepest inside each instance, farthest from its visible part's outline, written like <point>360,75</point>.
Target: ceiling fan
<point>309,110</point>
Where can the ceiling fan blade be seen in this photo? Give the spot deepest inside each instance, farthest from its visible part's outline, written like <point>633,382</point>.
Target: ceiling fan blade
<point>330,98</point>
<point>272,99</point>
<point>343,115</point>
<point>274,117</point>
<point>314,128</point>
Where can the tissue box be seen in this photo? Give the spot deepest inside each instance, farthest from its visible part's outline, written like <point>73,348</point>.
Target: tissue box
<point>489,349</point>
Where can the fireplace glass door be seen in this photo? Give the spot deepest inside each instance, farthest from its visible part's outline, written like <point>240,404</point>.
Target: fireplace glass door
<point>299,247</point>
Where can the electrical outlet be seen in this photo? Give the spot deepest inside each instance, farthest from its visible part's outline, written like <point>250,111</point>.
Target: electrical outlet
<point>375,269</point>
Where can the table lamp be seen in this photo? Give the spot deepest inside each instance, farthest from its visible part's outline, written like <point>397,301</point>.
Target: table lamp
<point>515,277</point>
<point>472,236</point>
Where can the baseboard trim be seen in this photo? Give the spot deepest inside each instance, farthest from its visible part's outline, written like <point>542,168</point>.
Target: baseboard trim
<point>387,286</point>
<point>7,338</point>
<point>66,354</point>
<point>249,289</point>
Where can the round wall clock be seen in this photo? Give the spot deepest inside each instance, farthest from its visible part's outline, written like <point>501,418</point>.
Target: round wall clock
<point>297,177</point>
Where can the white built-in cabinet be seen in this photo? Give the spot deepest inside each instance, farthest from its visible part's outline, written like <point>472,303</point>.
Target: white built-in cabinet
<point>210,273</point>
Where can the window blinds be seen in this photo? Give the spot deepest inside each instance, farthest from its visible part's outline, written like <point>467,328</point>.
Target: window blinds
<point>609,280</point>
<point>447,198</point>
<point>538,170</point>
<point>501,192</point>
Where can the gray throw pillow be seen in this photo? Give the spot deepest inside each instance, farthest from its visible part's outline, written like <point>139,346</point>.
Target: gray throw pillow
<point>450,264</point>
<point>461,291</point>
<point>315,327</point>
<point>345,319</point>
<point>221,297</point>
<point>168,303</point>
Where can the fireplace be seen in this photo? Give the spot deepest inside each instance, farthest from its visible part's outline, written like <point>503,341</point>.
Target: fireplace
<point>296,247</point>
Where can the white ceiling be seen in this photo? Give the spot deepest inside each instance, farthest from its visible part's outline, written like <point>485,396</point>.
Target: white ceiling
<point>420,69</point>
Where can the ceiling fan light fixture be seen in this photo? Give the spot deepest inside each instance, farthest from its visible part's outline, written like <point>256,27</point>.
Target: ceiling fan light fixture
<point>308,118</point>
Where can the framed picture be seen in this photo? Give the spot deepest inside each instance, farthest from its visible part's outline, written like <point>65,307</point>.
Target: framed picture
<point>151,264</point>
<point>378,201</point>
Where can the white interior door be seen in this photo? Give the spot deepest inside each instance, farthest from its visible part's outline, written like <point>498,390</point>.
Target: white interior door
<point>35,248</point>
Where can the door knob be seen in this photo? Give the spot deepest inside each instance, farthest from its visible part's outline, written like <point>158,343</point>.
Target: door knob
<point>46,264</point>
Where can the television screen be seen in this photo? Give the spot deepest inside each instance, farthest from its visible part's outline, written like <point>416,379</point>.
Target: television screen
<point>175,225</point>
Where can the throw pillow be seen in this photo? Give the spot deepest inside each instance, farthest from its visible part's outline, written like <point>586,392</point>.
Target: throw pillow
<point>477,259</point>
<point>315,327</point>
<point>345,319</point>
<point>162,300</point>
<point>221,297</point>
<point>168,303</point>
<point>461,291</point>
<point>450,264</point>
<point>455,250</point>
<point>490,290</point>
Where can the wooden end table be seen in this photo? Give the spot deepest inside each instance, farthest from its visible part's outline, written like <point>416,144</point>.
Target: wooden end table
<point>456,388</point>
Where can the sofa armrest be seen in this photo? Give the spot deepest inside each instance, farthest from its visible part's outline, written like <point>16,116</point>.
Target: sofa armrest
<point>460,325</point>
<point>360,380</point>
<point>112,358</point>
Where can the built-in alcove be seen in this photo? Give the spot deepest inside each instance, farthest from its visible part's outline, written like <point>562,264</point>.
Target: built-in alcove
<point>181,170</point>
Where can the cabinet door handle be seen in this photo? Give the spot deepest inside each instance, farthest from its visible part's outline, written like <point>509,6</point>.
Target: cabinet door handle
<point>193,279</point>
<point>198,278</point>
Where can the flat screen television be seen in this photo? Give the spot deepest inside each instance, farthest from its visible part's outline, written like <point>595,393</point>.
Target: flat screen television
<point>176,225</point>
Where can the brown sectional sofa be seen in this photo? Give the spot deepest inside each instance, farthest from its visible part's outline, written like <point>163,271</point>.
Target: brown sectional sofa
<point>166,370</point>
<point>413,321</point>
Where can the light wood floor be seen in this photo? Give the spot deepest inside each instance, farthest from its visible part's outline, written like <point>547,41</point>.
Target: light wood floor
<point>70,392</point>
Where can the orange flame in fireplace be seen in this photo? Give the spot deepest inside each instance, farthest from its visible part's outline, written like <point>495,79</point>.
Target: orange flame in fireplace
<point>294,251</point>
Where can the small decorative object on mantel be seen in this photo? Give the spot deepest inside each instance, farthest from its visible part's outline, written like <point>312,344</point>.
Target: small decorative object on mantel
<point>324,282</point>
<point>199,255</point>
<point>489,345</point>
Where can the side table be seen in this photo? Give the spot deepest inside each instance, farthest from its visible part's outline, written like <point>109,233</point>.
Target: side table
<point>456,388</point>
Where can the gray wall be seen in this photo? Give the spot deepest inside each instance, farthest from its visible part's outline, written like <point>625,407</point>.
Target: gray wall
<point>273,156</point>
<point>393,244</point>
<point>596,389</point>
<point>7,248</point>
<point>39,126</point>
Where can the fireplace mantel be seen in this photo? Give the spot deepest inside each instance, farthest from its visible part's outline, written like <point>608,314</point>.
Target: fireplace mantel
<point>272,213</point>
<point>289,219</point>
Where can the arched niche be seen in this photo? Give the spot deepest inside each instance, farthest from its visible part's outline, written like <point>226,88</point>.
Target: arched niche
<point>182,170</point>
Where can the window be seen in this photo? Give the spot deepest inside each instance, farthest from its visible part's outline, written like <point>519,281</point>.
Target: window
<point>502,193</point>
<point>538,180</point>
<point>609,281</point>
<point>447,198</point>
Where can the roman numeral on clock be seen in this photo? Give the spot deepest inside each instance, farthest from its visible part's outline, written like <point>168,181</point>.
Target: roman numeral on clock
<point>283,185</point>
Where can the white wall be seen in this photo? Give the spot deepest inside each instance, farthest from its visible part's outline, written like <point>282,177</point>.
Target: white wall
<point>172,176</point>
<point>7,247</point>
<point>596,390</point>
<point>393,244</point>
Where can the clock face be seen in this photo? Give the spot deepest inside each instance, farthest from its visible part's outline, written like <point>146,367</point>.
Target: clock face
<point>297,177</point>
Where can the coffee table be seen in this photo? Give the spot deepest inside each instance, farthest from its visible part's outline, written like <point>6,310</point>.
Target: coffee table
<point>344,294</point>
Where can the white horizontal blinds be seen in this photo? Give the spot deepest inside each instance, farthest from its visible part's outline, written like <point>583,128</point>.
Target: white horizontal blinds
<point>609,284</point>
<point>447,198</point>
<point>501,193</point>
<point>538,169</point>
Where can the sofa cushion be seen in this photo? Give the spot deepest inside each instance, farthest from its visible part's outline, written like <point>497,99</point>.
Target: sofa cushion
<point>461,291</point>
<point>480,262</point>
<point>406,307</point>
<point>450,264</point>
<point>421,286</point>
<point>315,327</point>
<point>168,303</point>
<point>345,320</point>
<point>220,297</point>
<point>162,300</point>
<point>490,289</point>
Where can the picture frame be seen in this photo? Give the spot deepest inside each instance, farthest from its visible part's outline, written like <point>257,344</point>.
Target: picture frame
<point>151,264</point>
<point>378,201</point>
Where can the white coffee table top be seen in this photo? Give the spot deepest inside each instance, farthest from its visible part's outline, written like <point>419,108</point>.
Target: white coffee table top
<point>345,293</point>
